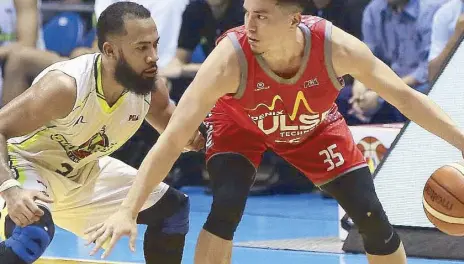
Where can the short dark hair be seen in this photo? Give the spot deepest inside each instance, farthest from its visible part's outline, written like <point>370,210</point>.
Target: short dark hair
<point>111,20</point>
<point>298,4</point>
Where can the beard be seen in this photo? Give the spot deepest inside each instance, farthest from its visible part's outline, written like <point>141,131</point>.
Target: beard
<point>131,80</point>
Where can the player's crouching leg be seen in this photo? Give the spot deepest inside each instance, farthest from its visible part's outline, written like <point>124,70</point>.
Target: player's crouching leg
<point>26,244</point>
<point>355,192</point>
<point>167,224</point>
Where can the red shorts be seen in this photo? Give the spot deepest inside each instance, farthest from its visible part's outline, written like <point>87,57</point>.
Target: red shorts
<point>326,154</point>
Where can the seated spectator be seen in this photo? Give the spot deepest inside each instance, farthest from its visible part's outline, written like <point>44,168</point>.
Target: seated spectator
<point>202,22</point>
<point>397,32</point>
<point>345,14</point>
<point>19,24</point>
<point>447,32</point>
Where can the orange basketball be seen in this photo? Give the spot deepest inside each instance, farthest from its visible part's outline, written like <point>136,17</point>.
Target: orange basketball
<point>443,199</point>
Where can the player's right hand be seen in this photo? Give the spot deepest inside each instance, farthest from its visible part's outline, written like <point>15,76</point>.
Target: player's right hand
<point>22,207</point>
<point>106,234</point>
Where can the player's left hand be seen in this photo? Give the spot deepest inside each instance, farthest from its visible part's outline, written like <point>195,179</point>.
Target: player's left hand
<point>196,143</point>
<point>116,226</point>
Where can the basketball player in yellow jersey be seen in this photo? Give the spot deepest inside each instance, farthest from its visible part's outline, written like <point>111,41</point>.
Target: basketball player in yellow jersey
<point>56,137</point>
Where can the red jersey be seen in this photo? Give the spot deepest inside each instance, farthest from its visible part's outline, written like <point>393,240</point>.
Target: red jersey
<point>284,110</point>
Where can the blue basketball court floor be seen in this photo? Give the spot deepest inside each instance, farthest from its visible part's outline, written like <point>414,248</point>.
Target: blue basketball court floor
<point>270,227</point>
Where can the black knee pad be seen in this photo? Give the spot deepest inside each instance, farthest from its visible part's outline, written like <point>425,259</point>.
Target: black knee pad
<point>30,242</point>
<point>231,175</point>
<point>355,192</point>
<point>378,235</point>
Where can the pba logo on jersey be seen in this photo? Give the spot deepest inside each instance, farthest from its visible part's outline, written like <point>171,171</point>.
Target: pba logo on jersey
<point>290,127</point>
<point>133,117</point>
<point>97,143</point>
<point>311,83</point>
<point>373,151</point>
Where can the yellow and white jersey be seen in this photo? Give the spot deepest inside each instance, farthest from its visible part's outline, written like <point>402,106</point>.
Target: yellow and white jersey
<point>90,131</point>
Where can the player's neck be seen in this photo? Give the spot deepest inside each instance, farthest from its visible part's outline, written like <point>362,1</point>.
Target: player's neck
<point>287,56</point>
<point>112,90</point>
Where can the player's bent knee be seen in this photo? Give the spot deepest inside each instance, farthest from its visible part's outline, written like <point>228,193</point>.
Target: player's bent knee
<point>178,223</point>
<point>378,235</point>
<point>355,191</point>
<point>232,176</point>
<point>30,242</point>
<point>224,217</point>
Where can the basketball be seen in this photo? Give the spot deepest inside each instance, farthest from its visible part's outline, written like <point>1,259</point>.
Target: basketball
<point>443,199</point>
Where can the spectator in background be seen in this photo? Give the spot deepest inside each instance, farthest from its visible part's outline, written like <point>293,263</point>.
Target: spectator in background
<point>345,14</point>
<point>447,31</point>
<point>202,22</point>
<point>19,25</point>
<point>397,32</point>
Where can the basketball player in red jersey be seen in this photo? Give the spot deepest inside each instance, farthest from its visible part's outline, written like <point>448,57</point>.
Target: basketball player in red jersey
<point>271,84</point>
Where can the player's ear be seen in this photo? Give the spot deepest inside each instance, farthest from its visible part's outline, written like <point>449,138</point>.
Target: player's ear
<point>109,50</point>
<point>296,19</point>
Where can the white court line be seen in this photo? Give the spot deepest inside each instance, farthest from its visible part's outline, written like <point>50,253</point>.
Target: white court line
<point>86,260</point>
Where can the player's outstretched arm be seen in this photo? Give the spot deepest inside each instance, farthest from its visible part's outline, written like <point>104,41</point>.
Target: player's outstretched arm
<point>373,73</point>
<point>219,75</point>
<point>50,98</point>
